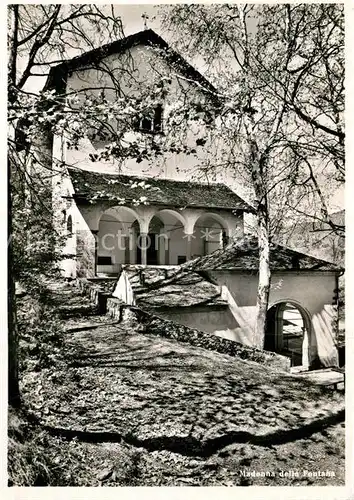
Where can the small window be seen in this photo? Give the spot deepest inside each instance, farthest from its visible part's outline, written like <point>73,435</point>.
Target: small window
<point>69,226</point>
<point>151,123</point>
<point>104,260</point>
<point>181,259</point>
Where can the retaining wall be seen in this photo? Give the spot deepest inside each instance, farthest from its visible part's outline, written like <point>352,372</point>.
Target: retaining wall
<point>152,324</point>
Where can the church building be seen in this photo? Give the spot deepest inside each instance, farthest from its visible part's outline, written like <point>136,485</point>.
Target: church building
<point>156,213</point>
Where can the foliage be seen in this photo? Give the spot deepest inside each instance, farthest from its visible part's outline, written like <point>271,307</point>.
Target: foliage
<point>40,331</point>
<point>283,65</point>
<point>36,458</point>
<point>280,120</point>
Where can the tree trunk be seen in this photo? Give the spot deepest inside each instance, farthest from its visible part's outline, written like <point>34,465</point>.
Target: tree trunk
<point>13,382</point>
<point>258,162</point>
<point>263,277</point>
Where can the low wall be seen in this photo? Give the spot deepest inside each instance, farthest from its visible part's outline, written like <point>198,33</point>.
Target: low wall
<point>156,325</point>
<point>96,292</point>
<point>217,320</point>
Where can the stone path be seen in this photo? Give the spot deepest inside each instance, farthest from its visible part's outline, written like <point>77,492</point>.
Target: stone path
<point>116,384</point>
<point>124,382</point>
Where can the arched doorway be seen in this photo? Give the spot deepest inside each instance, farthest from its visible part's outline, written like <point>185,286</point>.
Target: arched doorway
<point>115,240</point>
<point>210,234</point>
<point>154,243</point>
<point>288,329</point>
<point>166,242</point>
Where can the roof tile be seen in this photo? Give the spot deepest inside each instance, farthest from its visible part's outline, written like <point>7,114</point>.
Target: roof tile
<point>95,185</point>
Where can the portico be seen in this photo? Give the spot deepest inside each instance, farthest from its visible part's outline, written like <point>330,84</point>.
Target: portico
<point>154,232</point>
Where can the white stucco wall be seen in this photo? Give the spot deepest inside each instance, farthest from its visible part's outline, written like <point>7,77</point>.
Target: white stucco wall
<point>134,70</point>
<point>218,321</point>
<point>313,291</point>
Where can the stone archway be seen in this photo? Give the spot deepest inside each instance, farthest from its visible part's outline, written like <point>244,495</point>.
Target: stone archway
<point>210,233</point>
<point>167,237</point>
<point>288,331</point>
<point>115,244</point>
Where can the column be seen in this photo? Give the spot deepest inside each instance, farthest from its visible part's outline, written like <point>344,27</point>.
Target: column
<point>95,233</point>
<point>126,250</point>
<point>143,247</point>
<point>189,247</point>
<point>167,251</point>
<point>132,246</point>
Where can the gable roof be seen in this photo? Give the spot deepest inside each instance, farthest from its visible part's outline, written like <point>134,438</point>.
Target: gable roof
<point>58,74</point>
<point>95,185</point>
<point>158,287</point>
<point>243,255</point>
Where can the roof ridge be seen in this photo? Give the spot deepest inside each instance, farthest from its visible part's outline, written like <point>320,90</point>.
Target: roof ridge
<point>145,37</point>
<point>142,177</point>
<point>102,48</point>
<point>237,245</point>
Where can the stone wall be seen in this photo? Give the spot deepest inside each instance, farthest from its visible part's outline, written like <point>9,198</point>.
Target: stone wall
<point>85,253</point>
<point>152,324</point>
<point>98,291</point>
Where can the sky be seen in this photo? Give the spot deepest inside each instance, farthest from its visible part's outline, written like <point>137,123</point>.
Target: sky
<point>132,20</point>
<point>131,16</point>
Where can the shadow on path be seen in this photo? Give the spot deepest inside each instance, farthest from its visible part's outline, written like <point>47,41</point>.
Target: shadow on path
<point>193,447</point>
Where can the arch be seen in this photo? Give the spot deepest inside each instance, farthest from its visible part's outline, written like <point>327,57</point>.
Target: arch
<point>223,223</point>
<point>120,212</point>
<point>166,244</point>
<point>210,233</point>
<point>279,337</point>
<point>172,213</point>
<point>116,240</point>
<point>156,244</point>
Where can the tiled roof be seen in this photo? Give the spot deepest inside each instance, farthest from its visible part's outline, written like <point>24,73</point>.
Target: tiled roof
<point>243,255</point>
<point>190,285</point>
<point>156,287</point>
<point>94,185</point>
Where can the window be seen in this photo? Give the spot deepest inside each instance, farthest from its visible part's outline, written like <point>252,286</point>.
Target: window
<point>225,239</point>
<point>69,226</point>
<point>104,260</point>
<point>181,259</point>
<point>151,123</point>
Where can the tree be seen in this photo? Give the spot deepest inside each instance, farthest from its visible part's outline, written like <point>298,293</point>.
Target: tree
<point>311,41</point>
<point>42,41</point>
<point>280,69</point>
<point>38,36</point>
